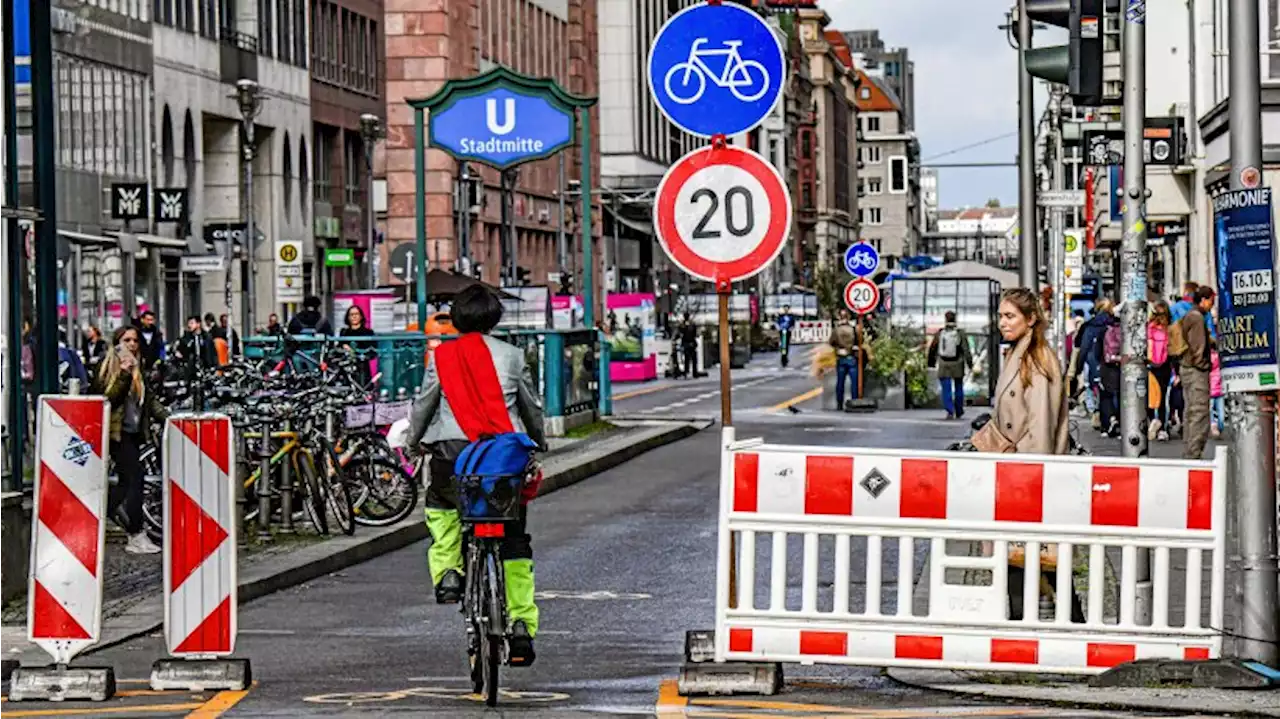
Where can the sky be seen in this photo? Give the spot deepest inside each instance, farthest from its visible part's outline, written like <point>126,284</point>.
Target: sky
<point>966,85</point>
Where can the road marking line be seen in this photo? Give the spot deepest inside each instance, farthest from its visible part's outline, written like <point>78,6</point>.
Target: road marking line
<point>144,709</point>
<point>777,706</point>
<point>642,391</point>
<point>670,704</point>
<point>815,392</point>
<point>219,704</point>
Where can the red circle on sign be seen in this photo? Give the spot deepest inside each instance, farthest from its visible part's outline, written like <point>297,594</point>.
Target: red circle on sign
<point>677,247</point>
<point>1250,178</point>
<point>870,300</point>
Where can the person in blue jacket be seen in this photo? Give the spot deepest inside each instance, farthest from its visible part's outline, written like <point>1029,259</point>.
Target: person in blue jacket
<point>786,321</point>
<point>1091,354</point>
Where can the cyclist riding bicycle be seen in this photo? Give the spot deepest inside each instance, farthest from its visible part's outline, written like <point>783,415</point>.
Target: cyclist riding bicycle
<point>476,386</point>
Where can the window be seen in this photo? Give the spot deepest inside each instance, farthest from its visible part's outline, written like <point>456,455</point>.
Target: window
<point>209,19</point>
<point>321,168</point>
<point>864,93</point>
<point>897,175</point>
<point>284,34</point>
<point>870,155</point>
<point>287,171</point>
<point>873,124</point>
<point>264,28</point>
<point>303,190</point>
<point>352,161</point>
<point>300,34</point>
<point>870,216</point>
<point>875,186</point>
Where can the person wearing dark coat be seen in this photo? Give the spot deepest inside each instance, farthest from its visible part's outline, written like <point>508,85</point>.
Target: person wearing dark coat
<point>309,321</point>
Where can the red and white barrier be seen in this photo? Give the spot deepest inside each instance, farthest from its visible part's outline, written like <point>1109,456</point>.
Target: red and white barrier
<point>199,536</point>
<point>861,516</point>
<point>64,606</point>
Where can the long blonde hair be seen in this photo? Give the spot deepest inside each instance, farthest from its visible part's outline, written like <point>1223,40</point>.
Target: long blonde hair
<point>1039,356</point>
<point>110,370</point>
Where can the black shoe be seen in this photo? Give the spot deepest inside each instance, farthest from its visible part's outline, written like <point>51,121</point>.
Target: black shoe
<point>949,416</point>
<point>520,645</point>
<point>449,590</point>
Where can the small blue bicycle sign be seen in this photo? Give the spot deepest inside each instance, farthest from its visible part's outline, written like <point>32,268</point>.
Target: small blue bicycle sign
<point>716,69</point>
<point>861,260</point>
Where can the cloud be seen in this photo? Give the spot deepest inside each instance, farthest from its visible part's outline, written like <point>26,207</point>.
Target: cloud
<point>966,84</point>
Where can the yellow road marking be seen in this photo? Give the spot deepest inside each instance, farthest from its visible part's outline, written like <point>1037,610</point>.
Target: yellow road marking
<point>815,392</point>
<point>143,709</point>
<point>670,703</point>
<point>642,391</point>
<point>218,705</point>
<point>776,706</point>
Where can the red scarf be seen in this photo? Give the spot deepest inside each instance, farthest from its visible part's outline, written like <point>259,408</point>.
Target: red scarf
<point>471,386</point>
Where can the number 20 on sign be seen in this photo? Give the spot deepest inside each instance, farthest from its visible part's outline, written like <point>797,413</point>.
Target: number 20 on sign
<point>862,296</point>
<point>722,213</point>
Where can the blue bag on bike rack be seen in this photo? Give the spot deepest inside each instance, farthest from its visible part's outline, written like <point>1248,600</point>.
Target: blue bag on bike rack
<point>490,471</point>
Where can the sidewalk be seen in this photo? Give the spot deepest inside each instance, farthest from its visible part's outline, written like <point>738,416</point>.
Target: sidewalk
<point>133,600</point>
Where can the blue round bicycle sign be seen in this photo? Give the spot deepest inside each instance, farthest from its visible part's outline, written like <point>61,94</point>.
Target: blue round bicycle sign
<point>716,70</point>
<point>861,260</point>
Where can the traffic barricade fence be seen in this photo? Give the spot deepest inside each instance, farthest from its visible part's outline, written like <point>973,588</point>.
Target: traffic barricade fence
<point>200,578</point>
<point>804,526</point>
<point>64,600</point>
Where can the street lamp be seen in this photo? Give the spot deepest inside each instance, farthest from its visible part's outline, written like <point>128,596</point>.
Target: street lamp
<point>249,99</point>
<point>371,130</point>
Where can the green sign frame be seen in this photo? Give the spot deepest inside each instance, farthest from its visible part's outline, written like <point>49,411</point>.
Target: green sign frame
<point>339,257</point>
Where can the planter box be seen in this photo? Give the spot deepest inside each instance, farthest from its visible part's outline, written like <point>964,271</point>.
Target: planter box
<point>15,546</point>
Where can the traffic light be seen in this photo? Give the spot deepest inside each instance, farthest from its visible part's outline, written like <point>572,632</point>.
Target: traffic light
<point>1078,64</point>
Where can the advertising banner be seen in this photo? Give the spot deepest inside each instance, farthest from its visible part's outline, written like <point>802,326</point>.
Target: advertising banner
<point>630,331</point>
<point>1244,232</point>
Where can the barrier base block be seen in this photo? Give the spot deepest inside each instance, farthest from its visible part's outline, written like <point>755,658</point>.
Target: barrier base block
<point>6,668</point>
<point>729,678</point>
<point>201,674</point>
<point>1203,673</point>
<point>700,646</point>
<point>61,683</point>
<point>862,405</point>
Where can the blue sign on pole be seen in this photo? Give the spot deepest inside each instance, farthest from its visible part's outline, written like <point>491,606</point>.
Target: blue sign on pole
<point>1244,233</point>
<point>861,260</point>
<point>501,125</point>
<point>716,69</point>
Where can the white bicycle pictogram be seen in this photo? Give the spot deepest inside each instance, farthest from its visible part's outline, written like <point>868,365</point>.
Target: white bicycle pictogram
<point>862,260</point>
<point>736,73</point>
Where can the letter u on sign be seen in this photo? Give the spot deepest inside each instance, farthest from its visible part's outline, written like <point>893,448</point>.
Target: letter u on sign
<point>491,115</point>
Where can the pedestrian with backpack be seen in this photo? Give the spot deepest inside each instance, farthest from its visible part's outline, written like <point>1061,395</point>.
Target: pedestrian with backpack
<point>1160,367</point>
<point>1109,377</point>
<point>476,391</point>
<point>950,353</point>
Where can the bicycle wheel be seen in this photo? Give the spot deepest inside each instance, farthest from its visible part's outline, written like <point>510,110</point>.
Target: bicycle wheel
<point>152,493</point>
<point>314,503</point>
<point>337,497</point>
<point>382,492</point>
<point>494,631</point>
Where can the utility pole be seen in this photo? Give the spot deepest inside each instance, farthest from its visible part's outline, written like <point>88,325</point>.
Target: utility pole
<point>249,98</point>
<point>1251,417</point>
<point>46,229</point>
<point>371,131</point>
<point>1057,230</point>
<point>1029,247</point>
<point>1133,267</point>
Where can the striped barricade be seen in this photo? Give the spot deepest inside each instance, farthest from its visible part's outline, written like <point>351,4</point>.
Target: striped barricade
<point>200,579</point>
<point>64,600</point>
<point>839,518</point>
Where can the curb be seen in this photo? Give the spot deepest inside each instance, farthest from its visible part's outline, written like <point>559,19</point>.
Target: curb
<point>324,558</point>
<point>1167,700</point>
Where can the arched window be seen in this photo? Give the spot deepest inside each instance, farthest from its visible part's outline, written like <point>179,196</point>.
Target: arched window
<point>287,170</point>
<point>189,154</point>
<point>304,181</point>
<point>166,147</point>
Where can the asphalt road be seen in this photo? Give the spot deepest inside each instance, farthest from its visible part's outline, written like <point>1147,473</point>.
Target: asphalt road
<point>625,565</point>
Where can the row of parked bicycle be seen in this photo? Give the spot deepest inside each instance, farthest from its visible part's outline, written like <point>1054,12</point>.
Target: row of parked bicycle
<point>309,443</point>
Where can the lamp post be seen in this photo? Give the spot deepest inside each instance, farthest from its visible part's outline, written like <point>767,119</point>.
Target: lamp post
<point>371,130</point>
<point>249,98</point>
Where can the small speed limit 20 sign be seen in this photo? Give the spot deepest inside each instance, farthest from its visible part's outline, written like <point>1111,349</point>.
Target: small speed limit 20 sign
<point>722,213</point>
<point>862,296</point>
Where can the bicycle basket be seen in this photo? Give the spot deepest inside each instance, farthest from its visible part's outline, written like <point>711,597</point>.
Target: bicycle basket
<point>490,472</point>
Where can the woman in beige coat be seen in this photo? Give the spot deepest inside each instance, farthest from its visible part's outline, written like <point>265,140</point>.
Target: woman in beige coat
<point>1031,406</point>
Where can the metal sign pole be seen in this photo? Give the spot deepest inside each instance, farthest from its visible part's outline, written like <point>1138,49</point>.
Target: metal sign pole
<point>723,289</point>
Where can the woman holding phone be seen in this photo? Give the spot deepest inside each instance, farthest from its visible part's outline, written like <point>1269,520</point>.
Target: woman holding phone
<point>133,408</point>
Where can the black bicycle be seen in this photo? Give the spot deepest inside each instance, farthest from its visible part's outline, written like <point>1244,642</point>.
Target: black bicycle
<point>488,507</point>
<point>964,445</point>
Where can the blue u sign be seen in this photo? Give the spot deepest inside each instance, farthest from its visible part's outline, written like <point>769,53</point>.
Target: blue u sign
<point>716,69</point>
<point>501,125</point>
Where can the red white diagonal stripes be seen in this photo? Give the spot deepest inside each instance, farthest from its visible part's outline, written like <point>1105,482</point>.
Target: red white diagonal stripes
<point>65,594</point>
<point>199,549</point>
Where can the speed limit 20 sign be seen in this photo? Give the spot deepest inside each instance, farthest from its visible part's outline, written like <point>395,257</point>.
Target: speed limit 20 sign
<point>862,296</point>
<point>722,213</point>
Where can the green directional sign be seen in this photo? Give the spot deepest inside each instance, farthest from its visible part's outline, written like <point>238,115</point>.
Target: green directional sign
<point>339,257</point>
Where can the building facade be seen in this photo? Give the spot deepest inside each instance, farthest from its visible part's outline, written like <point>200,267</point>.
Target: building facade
<point>892,65</point>
<point>432,41</point>
<point>979,234</point>
<point>347,81</point>
<point>829,142</point>
<point>202,48</point>
<point>888,173</point>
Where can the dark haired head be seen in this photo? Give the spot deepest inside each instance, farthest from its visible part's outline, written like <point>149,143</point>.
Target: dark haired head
<point>147,313</point>
<point>1203,293</point>
<point>194,318</point>
<point>311,302</point>
<point>950,316</point>
<point>476,309</point>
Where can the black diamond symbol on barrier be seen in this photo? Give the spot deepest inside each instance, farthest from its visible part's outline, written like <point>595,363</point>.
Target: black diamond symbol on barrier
<point>875,483</point>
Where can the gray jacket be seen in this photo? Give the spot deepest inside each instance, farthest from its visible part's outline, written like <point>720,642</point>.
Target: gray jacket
<point>432,419</point>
